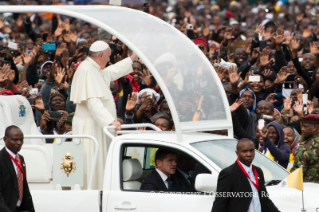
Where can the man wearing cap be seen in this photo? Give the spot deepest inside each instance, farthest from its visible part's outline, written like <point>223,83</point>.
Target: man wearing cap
<point>68,122</point>
<point>95,107</point>
<point>308,152</point>
<point>236,40</point>
<point>57,101</point>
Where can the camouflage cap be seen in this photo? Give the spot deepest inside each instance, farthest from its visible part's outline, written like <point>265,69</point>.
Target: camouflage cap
<point>310,119</point>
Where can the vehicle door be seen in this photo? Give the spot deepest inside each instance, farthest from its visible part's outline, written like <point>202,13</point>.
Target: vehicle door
<point>120,198</point>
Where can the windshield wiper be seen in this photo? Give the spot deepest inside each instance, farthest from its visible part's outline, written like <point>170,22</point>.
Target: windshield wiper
<point>272,182</point>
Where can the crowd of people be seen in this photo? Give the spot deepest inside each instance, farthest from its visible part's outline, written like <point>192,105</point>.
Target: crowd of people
<point>265,54</point>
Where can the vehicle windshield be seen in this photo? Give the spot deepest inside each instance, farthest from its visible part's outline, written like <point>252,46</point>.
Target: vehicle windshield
<point>223,154</point>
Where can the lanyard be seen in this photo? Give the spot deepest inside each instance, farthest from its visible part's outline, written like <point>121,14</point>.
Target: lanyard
<point>18,165</point>
<point>255,173</point>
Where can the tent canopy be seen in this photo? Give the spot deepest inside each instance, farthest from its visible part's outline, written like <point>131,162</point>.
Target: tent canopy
<point>182,71</point>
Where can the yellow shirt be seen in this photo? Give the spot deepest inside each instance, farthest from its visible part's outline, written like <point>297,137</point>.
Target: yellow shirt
<point>267,153</point>
<point>291,162</point>
<point>291,159</point>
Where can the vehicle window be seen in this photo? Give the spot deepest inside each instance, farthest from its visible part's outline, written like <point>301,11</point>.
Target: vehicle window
<point>145,155</point>
<point>222,153</point>
<point>136,153</point>
<point>150,158</point>
<point>139,162</point>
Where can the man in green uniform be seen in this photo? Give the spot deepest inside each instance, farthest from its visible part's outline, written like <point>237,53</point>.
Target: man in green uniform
<point>308,152</point>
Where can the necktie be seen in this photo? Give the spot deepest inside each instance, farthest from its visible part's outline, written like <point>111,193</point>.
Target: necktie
<point>170,185</point>
<point>20,178</point>
<point>256,201</point>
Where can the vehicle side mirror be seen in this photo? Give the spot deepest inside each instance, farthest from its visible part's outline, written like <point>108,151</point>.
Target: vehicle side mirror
<point>206,182</point>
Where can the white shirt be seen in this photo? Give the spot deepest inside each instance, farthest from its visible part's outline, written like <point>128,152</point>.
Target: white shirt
<point>267,153</point>
<point>56,133</point>
<point>163,176</point>
<point>15,168</point>
<point>247,169</point>
<point>14,156</point>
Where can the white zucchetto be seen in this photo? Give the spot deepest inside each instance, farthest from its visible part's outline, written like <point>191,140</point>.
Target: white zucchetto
<point>99,46</point>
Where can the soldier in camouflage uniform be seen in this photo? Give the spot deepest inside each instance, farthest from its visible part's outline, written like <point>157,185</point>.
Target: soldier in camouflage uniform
<point>308,152</point>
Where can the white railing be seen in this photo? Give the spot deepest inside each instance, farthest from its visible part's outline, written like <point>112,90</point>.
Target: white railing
<point>76,141</point>
<point>127,126</point>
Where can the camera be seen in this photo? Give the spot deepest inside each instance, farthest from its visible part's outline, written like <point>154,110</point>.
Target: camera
<point>31,101</point>
<point>267,118</point>
<point>189,27</point>
<point>3,62</point>
<point>86,49</point>
<point>149,95</point>
<point>34,91</point>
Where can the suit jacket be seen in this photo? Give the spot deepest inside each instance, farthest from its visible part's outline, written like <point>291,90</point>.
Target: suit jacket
<point>154,182</point>
<point>9,191</point>
<point>233,179</point>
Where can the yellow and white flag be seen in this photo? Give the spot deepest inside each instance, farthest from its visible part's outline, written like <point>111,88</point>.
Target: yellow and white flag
<point>294,180</point>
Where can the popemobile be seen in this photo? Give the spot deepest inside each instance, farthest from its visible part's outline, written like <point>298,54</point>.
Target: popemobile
<point>56,171</point>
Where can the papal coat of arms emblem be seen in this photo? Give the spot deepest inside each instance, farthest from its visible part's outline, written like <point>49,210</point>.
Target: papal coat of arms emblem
<point>22,108</point>
<point>68,165</point>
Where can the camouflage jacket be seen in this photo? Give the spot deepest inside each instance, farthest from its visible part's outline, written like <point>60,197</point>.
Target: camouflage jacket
<point>308,157</point>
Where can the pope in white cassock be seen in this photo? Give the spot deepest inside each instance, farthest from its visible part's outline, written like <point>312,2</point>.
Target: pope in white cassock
<point>95,107</point>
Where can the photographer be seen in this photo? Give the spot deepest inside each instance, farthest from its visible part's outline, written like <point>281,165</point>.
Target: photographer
<point>274,146</point>
<point>265,108</point>
<point>53,125</point>
<point>145,110</point>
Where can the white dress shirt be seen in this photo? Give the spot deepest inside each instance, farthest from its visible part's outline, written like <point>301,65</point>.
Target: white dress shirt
<point>163,176</point>
<point>15,168</point>
<point>54,131</point>
<point>247,169</point>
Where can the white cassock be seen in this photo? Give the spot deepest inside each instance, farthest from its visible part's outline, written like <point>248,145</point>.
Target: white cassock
<point>95,109</point>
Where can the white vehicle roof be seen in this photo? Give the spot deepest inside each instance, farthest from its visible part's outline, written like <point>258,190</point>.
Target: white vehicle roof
<point>170,137</point>
<point>176,63</point>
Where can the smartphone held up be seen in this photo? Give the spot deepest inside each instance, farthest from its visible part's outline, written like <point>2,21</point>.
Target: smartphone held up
<point>12,45</point>
<point>254,78</point>
<point>261,124</point>
<point>34,91</point>
<point>49,47</point>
